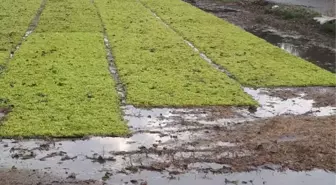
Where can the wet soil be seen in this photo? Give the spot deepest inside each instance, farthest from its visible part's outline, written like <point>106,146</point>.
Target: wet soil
<point>254,150</point>
<point>297,143</point>
<point>292,129</point>
<point>35,177</point>
<point>322,96</point>
<point>325,7</point>
<point>235,143</point>
<point>302,37</point>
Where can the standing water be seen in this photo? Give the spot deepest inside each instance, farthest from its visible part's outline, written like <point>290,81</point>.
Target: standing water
<point>325,7</point>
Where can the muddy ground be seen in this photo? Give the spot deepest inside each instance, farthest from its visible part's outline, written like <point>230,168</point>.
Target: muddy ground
<point>289,132</point>
<point>325,7</point>
<point>25,177</point>
<point>288,139</point>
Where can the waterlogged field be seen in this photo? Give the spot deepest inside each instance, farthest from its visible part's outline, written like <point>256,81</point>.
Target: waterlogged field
<point>15,16</point>
<point>58,83</point>
<point>252,61</point>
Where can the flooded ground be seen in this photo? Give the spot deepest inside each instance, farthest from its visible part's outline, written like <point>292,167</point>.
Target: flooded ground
<point>325,7</point>
<point>262,177</point>
<point>198,145</point>
<point>288,139</point>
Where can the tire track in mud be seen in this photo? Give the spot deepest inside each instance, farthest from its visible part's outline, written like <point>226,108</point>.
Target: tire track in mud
<point>109,56</point>
<point>32,26</point>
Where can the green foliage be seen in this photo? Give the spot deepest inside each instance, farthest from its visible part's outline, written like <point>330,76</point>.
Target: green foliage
<point>15,16</point>
<point>61,89</point>
<point>69,16</point>
<point>157,66</point>
<point>3,56</point>
<point>253,61</point>
<point>58,84</point>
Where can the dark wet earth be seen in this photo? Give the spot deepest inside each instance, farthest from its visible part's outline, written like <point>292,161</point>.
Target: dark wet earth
<point>325,7</point>
<point>263,177</point>
<point>162,139</point>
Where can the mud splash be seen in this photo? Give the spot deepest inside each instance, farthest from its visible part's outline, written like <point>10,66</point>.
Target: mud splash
<point>321,56</point>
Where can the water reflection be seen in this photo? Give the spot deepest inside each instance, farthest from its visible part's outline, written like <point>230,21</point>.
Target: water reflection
<point>274,106</point>
<point>262,177</point>
<point>326,7</point>
<point>290,48</point>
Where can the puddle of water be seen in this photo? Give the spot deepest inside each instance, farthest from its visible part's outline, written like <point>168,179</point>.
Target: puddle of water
<point>158,128</point>
<point>164,129</point>
<point>263,177</point>
<point>142,119</point>
<point>290,48</point>
<point>175,119</point>
<point>199,174</point>
<point>323,57</point>
<point>275,106</point>
<point>326,7</point>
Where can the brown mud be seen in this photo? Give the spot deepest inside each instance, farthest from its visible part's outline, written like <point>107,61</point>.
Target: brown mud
<point>25,177</point>
<point>298,143</point>
<point>322,96</point>
<point>325,7</point>
<point>285,134</point>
